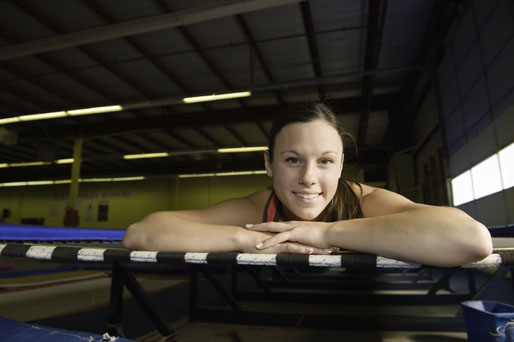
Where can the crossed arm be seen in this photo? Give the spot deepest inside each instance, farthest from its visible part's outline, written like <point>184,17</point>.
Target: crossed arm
<point>392,227</point>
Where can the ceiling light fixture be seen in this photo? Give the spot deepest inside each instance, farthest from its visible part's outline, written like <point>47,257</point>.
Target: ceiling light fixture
<point>66,181</point>
<point>216,97</point>
<point>214,174</point>
<point>42,116</point>
<point>94,110</point>
<point>36,163</point>
<point>146,155</point>
<point>243,149</point>
<point>61,114</point>
<point>65,161</point>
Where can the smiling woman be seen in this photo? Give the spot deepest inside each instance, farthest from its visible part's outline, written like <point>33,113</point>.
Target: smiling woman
<point>312,209</point>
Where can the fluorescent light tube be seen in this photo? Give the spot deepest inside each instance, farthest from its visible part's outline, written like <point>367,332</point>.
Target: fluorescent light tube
<point>64,161</point>
<point>196,175</point>
<point>146,155</point>
<point>243,149</point>
<point>37,163</point>
<point>123,179</point>
<point>94,110</point>
<point>233,173</point>
<point>216,97</point>
<point>14,184</point>
<point>40,182</point>
<point>42,116</point>
<point>6,121</point>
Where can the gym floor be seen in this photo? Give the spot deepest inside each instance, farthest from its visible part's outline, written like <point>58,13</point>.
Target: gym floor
<point>78,299</point>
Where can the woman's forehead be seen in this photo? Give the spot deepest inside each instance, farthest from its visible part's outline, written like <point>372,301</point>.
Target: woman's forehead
<point>315,134</point>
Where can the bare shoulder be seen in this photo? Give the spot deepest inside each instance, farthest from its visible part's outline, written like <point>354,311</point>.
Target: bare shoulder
<point>259,198</point>
<point>235,211</point>
<point>377,202</point>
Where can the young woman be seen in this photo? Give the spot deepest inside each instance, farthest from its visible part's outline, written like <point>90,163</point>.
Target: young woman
<point>312,209</point>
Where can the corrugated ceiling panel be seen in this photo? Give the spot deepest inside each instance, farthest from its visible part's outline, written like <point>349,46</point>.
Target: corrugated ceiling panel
<point>219,32</point>
<point>333,14</point>
<point>276,22</point>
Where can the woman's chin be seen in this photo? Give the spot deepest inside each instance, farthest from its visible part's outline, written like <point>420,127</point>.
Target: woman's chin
<point>306,216</point>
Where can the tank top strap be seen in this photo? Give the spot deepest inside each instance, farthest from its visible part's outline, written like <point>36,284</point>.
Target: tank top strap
<point>272,209</point>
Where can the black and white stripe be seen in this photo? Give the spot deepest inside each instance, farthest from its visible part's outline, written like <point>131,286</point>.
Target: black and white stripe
<point>107,255</point>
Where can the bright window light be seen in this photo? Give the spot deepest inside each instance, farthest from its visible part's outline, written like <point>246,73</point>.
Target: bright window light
<point>507,166</point>
<point>462,189</point>
<point>486,177</point>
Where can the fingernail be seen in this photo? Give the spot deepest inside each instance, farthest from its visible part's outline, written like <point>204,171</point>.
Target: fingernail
<point>249,225</point>
<point>259,245</point>
<point>329,251</point>
<point>311,250</point>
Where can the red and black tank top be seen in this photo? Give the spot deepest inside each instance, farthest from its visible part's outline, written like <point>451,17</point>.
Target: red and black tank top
<point>272,209</point>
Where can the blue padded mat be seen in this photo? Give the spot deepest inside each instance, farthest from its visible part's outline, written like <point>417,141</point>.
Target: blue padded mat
<point>20,232</point>
<point>24,332</point>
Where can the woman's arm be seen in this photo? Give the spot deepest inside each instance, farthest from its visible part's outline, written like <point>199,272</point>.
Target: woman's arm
<point>214,229</point>
<point>394,227</point>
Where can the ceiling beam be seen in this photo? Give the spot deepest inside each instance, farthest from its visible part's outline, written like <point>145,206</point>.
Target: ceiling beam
<point>313,44</point>
<point>374,36</point>
<point>139,26</point>
<point>254,49</point>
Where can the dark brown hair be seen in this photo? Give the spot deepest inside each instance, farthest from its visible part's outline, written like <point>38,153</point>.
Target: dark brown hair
<point>345,204</point>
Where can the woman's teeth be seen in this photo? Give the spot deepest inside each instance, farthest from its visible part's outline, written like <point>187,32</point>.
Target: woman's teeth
<point>307,196</point>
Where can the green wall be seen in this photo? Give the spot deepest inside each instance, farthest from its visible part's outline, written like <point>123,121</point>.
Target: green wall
<point>127,202</point>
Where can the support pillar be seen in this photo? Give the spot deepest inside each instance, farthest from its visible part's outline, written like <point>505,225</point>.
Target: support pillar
<point>71,218</point>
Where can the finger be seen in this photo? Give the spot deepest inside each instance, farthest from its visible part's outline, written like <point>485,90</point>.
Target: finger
<point>274,240</point>
<point>275,227</point>
<point>299,249</point>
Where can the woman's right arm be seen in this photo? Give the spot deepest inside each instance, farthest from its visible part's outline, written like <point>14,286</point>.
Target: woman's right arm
<point>218,228</point>
<point>214,229</point>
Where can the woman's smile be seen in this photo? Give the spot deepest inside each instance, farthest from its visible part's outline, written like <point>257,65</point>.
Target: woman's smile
<point>307,196</point>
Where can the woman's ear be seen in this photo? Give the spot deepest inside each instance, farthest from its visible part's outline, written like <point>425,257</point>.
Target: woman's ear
<point>267,164</point>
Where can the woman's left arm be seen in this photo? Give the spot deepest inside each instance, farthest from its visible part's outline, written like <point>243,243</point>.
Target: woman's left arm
<point>394,227</point>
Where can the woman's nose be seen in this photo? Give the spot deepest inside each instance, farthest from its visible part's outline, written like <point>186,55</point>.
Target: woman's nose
<point>308,175</point>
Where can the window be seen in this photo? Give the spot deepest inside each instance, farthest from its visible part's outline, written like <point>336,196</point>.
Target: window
<point>486,178</point>
<point>507,166</point>
<point>462,188</point>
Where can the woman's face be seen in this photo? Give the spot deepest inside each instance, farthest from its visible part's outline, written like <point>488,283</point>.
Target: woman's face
<point>307,163</point>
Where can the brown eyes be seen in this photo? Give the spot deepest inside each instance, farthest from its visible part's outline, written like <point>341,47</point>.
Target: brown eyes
<point>294,160</point>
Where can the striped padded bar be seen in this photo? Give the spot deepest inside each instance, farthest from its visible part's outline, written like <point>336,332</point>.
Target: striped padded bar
<point>65,253</point>
<point>507,258</point>
<point>358,261</point>
<point>171,257</point>
<point>297,260</point>
<point>222,258</point>
<point>14,250</point>
<point>355,260</point>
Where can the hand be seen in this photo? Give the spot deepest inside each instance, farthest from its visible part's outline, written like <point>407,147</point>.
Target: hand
<point>250,239</point>
<point>300,232</point>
